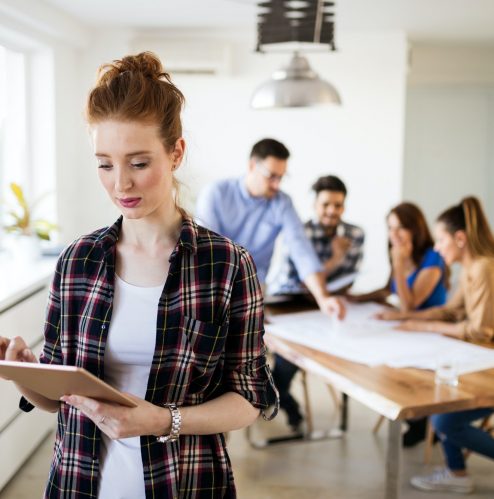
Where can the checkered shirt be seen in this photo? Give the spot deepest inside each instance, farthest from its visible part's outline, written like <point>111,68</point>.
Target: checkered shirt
<point>208,342</point>
<point>287,279</point>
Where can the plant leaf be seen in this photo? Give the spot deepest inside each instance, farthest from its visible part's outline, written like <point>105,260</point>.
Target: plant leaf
<point>19,194</point>
<point>24,221</point>
<point>14,215</point>
<point>43,228</point>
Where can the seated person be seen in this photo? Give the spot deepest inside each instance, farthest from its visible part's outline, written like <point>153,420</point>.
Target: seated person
<point>418,277</point>
<point>463,235</point>
<point>457,433</point>
<point>339,247</point>
<point>418,273</point>
<point>338,244</point>
<point>253,210</point>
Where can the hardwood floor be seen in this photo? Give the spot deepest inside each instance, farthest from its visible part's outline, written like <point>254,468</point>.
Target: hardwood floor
<point>349,468</point>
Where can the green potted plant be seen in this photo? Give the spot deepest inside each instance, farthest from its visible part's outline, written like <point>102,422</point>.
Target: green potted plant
<point>22,218</point>
<point>29,231</point>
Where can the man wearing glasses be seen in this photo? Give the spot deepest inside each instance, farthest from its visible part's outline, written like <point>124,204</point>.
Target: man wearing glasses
<point>252,211</point>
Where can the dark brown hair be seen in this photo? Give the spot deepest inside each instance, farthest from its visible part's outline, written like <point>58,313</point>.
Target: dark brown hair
<point>412,218</point>
<point>269,147</point>
<point>329,183</point>
<point>136,88</point>
<point>469,216</point>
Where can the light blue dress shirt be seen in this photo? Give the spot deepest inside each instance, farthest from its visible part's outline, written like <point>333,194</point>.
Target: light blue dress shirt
<point>226,207</point>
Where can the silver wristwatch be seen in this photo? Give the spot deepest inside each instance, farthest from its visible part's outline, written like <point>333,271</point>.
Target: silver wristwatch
<point>176,425</point>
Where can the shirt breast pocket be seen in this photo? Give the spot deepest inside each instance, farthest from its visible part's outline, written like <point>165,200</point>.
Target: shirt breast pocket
<point>206,342</point>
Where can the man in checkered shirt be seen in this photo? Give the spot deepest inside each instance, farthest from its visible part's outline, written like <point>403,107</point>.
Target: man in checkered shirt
<point>339,246</point>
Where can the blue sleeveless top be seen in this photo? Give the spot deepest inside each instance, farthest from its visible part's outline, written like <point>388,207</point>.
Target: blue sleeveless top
<point>438,296</point>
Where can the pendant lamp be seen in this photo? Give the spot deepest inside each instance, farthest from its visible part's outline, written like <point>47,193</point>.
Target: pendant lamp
<point>295,85</point>
<point>307,22</point>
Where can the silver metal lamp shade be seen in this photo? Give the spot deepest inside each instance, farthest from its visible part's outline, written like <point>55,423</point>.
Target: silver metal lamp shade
<point>295,85</point>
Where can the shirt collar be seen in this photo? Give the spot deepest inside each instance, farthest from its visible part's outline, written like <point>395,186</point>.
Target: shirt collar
<point>247,196</point>
<point>242,187</point>
<point>108,237</point>
<point>188,235</point>
<point>316,227</point>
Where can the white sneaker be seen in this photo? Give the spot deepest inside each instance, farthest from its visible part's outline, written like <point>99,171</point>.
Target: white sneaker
<point>443,480</point>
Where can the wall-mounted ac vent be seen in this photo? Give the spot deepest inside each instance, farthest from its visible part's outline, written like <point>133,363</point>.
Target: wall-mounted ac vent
<point>188,57</point>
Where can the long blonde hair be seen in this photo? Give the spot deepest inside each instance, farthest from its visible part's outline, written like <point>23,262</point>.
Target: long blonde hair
<point>469,216</point>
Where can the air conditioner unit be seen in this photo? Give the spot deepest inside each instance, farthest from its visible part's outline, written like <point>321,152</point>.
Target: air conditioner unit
<point>188,57</point>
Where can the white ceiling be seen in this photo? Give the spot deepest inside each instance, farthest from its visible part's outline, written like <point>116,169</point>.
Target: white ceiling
<point>446,20</point>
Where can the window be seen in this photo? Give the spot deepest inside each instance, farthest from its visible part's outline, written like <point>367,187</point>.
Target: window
<point>27,128</point>
<point>13,120</point>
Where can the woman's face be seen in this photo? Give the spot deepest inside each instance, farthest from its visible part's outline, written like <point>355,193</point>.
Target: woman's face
<point>397,234</point>
<point>134,166</point>
<point>447,245</point>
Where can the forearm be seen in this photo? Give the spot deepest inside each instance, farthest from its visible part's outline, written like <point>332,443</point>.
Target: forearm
<point>38,400</point>
<point>316,284</point>
<point>228,412</point>
<point>455,330</point>
<point>403,291</point>
<point>378,295</point>
<point>331,265</point>
<point>429,314</point>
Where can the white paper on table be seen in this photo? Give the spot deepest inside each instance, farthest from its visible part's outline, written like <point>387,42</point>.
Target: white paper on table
<point>361,338</point>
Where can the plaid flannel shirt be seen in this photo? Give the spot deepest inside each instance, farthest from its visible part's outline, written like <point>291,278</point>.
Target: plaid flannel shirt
<point>208,342</point>
<point>287,279</point>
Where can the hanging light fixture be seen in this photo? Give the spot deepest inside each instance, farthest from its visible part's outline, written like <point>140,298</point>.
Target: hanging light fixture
<point>295,85</point>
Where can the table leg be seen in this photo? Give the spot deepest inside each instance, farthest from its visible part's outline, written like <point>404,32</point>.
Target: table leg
<point>393,460</point>
<point>344,413</point>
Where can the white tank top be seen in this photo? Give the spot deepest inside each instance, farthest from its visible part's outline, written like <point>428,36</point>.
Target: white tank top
<point>128,356</point>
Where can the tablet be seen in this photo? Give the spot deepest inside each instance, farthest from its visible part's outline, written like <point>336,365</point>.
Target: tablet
<point>55,381</point>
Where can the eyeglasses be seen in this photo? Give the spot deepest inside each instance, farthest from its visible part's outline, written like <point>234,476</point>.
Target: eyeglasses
<point>267,174</point>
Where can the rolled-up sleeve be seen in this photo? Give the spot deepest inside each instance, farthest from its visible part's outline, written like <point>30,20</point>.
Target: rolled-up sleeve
<point>300,249</point>
<point>52,351</point>
<point>246,370</point>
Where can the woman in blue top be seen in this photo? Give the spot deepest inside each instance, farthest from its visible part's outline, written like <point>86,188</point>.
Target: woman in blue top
<point>418,273</point>
<point>418,276</point>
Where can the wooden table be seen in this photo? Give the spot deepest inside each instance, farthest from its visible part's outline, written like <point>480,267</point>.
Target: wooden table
<point>397,394</point>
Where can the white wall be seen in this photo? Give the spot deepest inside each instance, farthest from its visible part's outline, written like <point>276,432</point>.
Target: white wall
<point>362,141</point>
<point>449,150</point>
